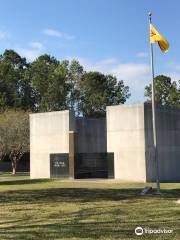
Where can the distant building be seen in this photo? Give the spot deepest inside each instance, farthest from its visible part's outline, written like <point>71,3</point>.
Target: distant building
<point>119,146</point>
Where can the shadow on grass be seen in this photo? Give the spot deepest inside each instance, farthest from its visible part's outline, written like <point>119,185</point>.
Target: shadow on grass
<point>78,226</point>
<point>61,195</point>
<point>67,231</point>
<point>18,174</point>
<point>81,223</point>
<point>23,181</point>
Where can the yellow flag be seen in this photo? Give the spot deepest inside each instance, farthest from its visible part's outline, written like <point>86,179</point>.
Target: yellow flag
<point>155,36</point>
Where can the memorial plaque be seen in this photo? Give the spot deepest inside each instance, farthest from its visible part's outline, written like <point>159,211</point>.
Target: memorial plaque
<point>59,165</point>
<point>94,165</point>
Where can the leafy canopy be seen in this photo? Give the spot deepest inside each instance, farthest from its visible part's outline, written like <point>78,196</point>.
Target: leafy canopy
<point>167,92</point>
<point>47,84</point>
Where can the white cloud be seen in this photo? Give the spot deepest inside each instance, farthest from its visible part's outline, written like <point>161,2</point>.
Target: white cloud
<point>108,61</point>
<point>3,35</point>
<point>31,53</point>
<point>173,71</point>
<point>174,66</point>
<point>142,54</point>
<point>135,75</point>
<point>55,33</point>
<point>37,45</point>
<point>131,71</point>
<point>175,76</point>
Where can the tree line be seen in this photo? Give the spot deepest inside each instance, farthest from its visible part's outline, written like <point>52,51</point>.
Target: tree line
<point>47,84</point>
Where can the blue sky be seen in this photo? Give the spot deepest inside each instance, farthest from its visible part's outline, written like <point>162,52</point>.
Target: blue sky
<point>111,36</point>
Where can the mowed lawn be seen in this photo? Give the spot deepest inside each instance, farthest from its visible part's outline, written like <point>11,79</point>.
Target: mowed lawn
<point>57,209</point>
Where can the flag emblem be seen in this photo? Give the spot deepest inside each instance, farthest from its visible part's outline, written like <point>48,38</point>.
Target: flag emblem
<point>155,36</point>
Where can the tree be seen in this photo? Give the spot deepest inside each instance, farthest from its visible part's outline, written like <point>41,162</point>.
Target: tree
<point>15,89</point>
<point>47,84</point>
<point>166,91</point>
<point>56,95</point>
<point>14,128</point>
<point>27,92</point>
<point>75,76</point>
<point>8,86</point>
<point>3,147</point>
<point>55,83</point>
<point>98,91</point>
<point>40,73</point>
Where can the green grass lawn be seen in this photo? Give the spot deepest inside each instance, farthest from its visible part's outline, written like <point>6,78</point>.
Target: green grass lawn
<point>57,209</point>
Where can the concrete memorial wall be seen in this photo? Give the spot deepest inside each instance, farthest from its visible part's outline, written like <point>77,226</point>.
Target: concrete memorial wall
<point>119,146</point>
<point>129,136</point>
<point>49,134</point>
<point>168,140</point>
<point>91,135</point>
<point>125,137</point>
<point>59,142</point>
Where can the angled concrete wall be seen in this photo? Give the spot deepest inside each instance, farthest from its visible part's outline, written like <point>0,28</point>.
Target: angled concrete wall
<point>125,137</point>
<point>49,133</point>
<point>129,137</point>
<point>168,140</point>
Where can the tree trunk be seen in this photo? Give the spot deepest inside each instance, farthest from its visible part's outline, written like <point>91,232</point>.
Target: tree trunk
<point>14,165</point>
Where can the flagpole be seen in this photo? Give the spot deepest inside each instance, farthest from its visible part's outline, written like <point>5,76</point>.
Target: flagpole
<point>154,115</point>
